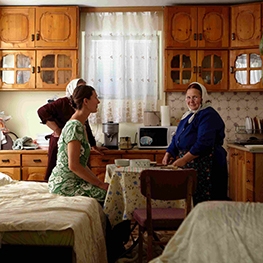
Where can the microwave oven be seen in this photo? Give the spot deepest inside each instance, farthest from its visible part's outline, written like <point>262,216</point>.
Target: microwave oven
<point>155,137</point>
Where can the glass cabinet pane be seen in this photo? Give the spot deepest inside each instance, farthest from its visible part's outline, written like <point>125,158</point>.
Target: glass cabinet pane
<point>212,68</point>
<point>16,69</point>
<point>248,66</point>
<point>181,64</point>
<point>56,69</point>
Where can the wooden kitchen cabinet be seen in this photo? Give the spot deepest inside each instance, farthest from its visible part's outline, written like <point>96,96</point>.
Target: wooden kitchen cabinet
<point>39,27</point>
<point>245,175</point>
<point>192,26</point>
<point>34,166</point>
<point>209,67</point>
<point>10,165</point>
<point>246,70</point>
<point>246,27</point>
<point>37,69</point>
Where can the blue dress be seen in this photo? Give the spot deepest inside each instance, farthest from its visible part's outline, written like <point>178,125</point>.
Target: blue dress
<point>204,137</point>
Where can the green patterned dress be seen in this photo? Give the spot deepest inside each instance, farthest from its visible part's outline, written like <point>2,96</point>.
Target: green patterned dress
<point>62,180</point>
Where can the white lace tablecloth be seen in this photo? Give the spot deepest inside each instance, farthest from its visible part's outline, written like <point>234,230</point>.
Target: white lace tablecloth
<point>124,195</point>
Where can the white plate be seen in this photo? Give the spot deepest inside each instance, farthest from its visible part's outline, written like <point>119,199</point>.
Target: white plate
<point>248,125</point>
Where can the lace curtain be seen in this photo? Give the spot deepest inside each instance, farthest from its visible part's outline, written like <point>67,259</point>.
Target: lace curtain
<point>121,63</point>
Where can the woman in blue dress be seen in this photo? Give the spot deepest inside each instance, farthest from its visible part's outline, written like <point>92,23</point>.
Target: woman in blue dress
<point>198,144</point>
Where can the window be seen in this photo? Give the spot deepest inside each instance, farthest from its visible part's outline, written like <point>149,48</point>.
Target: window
<point>122,63</point>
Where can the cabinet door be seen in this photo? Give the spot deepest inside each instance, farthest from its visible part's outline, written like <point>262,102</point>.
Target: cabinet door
<point>180,25</point>
<point>17,69</point>
<point>13,172</point>
<point>33,173</point>
<point>213,69</point>
<point>187,26</point>
<point>213,26</point>
<point>17,27</point>
<point>246,70</point>
<point>208,67</point>
<point>181,69</point>
<point>55,68</point>
<point>57,27</point>
<point>246,25</point>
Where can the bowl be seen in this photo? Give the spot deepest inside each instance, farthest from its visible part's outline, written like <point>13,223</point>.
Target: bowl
<point>122,162</point>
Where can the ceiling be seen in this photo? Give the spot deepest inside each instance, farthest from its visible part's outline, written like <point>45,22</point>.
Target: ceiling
<point>119,3</point>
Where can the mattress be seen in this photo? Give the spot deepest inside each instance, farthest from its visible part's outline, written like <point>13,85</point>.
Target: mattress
<point>29,214</point>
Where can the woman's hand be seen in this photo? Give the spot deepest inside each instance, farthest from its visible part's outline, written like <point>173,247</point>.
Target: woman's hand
<point>180,162</point>
<point>166,159</point>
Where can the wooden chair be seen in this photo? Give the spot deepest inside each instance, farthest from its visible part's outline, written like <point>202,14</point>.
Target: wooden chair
<point>163,185</point>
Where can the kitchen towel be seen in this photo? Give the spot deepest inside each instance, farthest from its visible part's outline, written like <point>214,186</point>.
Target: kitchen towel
<point>165,116</point>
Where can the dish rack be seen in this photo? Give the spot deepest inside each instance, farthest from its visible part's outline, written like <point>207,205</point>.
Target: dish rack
<point>244,134</point>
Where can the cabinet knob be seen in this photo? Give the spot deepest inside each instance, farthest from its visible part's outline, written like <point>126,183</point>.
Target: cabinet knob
<point>195,36</point>
<point>38,69</point>
<point>231,69</point>
<point>32,37</point>
<point>37,160</point>
<point>33,70</point>
<point>200,36</point>
<point>233,36</point>
<point>37,36</point>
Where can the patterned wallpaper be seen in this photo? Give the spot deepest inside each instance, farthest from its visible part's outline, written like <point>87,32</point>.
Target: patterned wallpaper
<point>233,107</point>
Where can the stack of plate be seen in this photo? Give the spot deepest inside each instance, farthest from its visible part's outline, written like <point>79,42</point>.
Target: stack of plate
<point>122,162</point>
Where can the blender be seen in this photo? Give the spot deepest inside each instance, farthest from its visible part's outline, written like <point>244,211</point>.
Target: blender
<point>111,132</point>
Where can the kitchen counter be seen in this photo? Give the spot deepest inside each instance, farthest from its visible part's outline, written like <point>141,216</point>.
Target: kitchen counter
<point>243,148</point>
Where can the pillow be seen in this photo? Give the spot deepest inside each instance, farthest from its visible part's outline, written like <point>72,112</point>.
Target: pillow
<point>5,179</point>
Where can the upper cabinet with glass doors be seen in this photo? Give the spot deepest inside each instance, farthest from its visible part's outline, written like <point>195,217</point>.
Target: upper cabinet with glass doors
<point>192,26</point>
<point>39,27</point>
<point>246,25</point>
<point>246,70</point>
<point>41,69</point>
<point>209,67</point>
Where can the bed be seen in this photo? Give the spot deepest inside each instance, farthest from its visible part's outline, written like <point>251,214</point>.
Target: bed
<point>218,232</point>
<point>48,227</point>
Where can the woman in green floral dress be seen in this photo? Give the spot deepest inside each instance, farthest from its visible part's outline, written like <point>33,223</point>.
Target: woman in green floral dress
<point>71,176</point>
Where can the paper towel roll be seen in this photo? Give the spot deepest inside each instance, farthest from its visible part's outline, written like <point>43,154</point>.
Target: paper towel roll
<point>165,115</point>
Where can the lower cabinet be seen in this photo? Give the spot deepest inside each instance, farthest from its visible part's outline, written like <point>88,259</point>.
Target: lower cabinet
<point>34,167</point>
<point>24,165</point>
<point>98,162</point>
<point>10,165</point>
<point>245,175</point>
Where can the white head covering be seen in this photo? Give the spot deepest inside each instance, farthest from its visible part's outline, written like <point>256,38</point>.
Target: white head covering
<point>205,103</point>
<point>71,86</point>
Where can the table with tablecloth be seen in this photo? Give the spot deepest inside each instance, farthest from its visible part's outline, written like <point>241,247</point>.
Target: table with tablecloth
<point>124,195</point>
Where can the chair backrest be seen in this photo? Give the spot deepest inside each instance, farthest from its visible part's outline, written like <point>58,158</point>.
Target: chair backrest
<point>165,184</point>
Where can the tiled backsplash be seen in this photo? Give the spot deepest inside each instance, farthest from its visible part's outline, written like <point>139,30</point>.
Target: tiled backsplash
<point>233,107</point>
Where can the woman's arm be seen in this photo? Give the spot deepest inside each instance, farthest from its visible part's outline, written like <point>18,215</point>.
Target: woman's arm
<point>83,172</point>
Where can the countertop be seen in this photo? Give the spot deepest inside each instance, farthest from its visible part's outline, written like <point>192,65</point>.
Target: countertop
<point>106,152</point>
<point>243,148</point>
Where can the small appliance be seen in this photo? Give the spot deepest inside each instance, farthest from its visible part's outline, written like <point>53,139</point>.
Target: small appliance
<point>111,134</point>
<point>155,137</point>
<point>125,143</point>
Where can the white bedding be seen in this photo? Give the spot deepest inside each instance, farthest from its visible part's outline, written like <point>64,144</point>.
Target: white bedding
<point>218,232</point>
<point>29,206</point>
